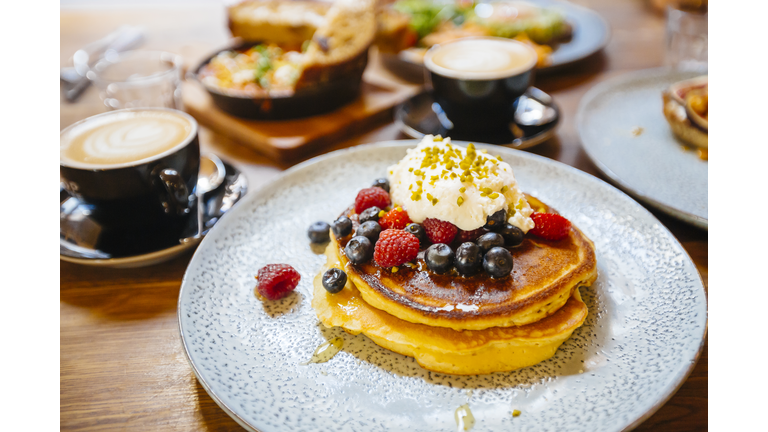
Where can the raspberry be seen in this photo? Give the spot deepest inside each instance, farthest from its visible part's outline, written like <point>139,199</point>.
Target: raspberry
<point>550,226</point>
<point>369,197</point>
<point>470,236</point>
<point>276,281</point>
<point>396,218</point>
<point>439,231</point>
<point>395,247</point>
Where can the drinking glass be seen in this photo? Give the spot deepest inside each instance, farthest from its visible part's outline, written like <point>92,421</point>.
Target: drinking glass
<point>686,39</point>
<point>139,79</point>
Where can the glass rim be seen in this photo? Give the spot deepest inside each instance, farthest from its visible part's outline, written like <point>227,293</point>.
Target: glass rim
<point>110,60</point>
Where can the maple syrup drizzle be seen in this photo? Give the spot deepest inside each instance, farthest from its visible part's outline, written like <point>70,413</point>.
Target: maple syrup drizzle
<point>326,351</point>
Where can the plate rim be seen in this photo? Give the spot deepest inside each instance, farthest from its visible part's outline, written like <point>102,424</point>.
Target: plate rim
<point>255,194</point>
<point>589,96</point>
<point>603,43</point>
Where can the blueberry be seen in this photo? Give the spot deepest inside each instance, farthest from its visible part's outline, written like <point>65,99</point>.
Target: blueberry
<point>370,214</point>
<point>418,231</point>
<point>359,249</point>
<point>498,262</point>
<point>334,280</point>
<point>489,240</point>
<point>439,257</point>
<point>318,232</point>
<point>496,221</point>
<point>468,259</point>
<point>341,227</point>
<point>513,235</point>
<point>369,229</point>
<point>382,183</point>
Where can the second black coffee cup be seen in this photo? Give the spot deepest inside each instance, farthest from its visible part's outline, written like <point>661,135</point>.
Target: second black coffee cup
<point>476,81</point>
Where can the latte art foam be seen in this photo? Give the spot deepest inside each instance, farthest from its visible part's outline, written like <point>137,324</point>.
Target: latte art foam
<point>123,137</point>
<point>480,58</point>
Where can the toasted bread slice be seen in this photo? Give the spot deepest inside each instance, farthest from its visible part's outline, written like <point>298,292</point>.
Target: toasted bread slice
<point>280,22</point>
<point>393,32</point>
<point>339,48</point>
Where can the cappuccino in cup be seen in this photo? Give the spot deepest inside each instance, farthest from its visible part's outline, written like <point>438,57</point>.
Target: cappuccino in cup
<point>135,172</point>
<point>476,81</point>
<point>481,59</point>
<point>124,138</point>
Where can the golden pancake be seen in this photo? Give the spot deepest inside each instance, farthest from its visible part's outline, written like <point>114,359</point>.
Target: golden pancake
<point>544,276</point>
<point>444,350</point>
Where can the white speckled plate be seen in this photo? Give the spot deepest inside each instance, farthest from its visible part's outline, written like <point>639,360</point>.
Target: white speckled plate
<point>647,321</point>
<point>652,166</point>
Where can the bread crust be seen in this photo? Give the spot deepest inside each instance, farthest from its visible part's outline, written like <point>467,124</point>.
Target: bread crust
<point>681,125</point>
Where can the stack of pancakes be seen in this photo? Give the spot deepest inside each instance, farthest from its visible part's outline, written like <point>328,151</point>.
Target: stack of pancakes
<point>465,325</point>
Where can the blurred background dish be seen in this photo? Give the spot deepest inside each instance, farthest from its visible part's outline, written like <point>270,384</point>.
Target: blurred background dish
<point>264,95</point>
<point>560,32</point>
<point>686,108</point>
<point>623,130</point>
<point>296,59</point>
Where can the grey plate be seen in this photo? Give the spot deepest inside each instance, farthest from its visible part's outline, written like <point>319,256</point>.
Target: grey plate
<point>590,34</point>
<point>647,320</point>
<point>654,166</point>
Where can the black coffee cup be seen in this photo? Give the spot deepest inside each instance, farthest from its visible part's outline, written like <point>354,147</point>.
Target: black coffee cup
<point>476,81</point>
<point>139,206</point>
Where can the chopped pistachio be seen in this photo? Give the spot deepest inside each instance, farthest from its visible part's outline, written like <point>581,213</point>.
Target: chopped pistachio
<point>462,189</point>
<point>394,269</point>
<point>460,201</point>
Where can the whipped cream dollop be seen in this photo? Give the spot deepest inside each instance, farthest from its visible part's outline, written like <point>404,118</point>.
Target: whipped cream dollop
<point>463,186</point>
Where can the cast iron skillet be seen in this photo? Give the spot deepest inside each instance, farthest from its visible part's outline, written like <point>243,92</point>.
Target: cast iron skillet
<point>318,98</point>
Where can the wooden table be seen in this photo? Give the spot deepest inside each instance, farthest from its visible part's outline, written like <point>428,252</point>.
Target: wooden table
<point>122,365</point>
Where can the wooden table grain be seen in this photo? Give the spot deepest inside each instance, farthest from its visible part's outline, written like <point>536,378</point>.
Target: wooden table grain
<point>122,366</point>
